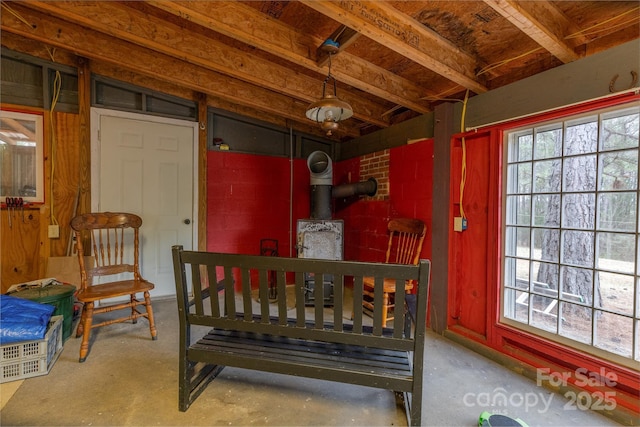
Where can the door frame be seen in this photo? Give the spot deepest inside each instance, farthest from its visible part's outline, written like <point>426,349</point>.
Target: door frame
<point>96,115</point>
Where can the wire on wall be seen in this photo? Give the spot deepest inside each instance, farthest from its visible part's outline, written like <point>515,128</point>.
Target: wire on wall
<point>17,15</point>
<point>463,169</point>
<point>57,86</point>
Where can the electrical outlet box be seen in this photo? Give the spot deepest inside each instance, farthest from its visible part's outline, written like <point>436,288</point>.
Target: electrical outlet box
<point>459,223</point>
<point>54,231</point>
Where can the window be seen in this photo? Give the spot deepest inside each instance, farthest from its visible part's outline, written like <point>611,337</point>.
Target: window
<point>21,156</point>
<point>571,246</point>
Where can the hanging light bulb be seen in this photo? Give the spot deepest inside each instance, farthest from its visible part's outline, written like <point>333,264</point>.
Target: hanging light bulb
<point>329,110</point>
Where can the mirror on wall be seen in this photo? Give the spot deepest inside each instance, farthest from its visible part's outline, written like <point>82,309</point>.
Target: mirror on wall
<point>21,156</point>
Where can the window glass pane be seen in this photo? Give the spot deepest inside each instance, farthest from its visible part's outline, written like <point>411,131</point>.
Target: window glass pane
<point>112,96</point>
<point>613,333</point>
<point>575,322</point>
<point>518,210</point>
<point>516,305</point>
<point>545,244</point>
<point>520,175</point>
<point>638,297</point>
<point>619,170</point>
<point>577,248</point>
<point>522,273</point>
<point>620,130</point>
<point>520,146</point>
<point>581,136</point>
<point>579,210</point>
<point>615,252</point>
<point>545,276</point>
<point>509,276</point>
<point>517,242</point>
<point>546,210</point>
<point>21,156</point>
<point>18,158</point>
<point>523,240</point>
<point>516,273</point>
<point>544,313</point>
<point>637,350</point>
<point>547,176</point>
<point>548,143</point>
<point>617,211</point>
<point>577,285</point>
<point>616,291</point>
<point>579,173</point>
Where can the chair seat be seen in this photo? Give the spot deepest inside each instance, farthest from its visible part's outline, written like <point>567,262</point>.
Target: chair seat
<point>113,289</point>
<point>389,286</point>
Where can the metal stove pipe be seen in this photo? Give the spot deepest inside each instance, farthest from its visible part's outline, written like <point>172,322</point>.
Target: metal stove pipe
<point>321,171</point>
<point>362,188</point>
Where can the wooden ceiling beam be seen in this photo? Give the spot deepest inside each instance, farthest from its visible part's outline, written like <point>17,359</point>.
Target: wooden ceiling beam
<point>387,26</point>
<point>343,36</point>
<point>252,27</point>
<point>133,26</point>
<point>541,21</point>
<point>97,46</point>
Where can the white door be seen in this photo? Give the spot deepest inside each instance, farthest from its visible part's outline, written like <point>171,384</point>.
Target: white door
<point>145,165</point>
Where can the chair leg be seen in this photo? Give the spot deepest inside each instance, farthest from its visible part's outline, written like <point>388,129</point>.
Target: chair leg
<point>385,308</point>
<point>152,323</point>
<point>83,315</point>
<point>132,299</point>
<point>87,320</point>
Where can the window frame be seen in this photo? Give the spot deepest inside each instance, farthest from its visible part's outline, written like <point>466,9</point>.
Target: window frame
<point>551,120</point>
<point>38,120</point>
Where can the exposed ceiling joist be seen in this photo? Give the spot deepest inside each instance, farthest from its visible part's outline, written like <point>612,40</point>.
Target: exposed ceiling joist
<point>259,58</point>
<point>161,36</point>
<point>289,44</point>
<point>399,32</point>
<point>541,21</point>
<point>58,33</point>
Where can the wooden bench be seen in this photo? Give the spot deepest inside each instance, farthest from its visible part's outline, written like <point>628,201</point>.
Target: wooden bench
<point>248,330</point>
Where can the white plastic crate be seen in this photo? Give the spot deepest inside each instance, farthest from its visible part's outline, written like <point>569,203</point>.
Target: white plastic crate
<point>31,358</point>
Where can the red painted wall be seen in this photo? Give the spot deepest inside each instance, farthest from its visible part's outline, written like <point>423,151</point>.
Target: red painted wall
<point>248,200</point>
<point>410,195</point>
<point>475,269</point>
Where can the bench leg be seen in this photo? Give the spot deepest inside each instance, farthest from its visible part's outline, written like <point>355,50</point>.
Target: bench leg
<point>193,379</point>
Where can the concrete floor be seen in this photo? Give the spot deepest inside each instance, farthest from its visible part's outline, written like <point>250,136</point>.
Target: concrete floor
<point>130,380</point>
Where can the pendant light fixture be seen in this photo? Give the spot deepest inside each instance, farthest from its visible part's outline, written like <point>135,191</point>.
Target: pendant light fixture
<point>329,110</point>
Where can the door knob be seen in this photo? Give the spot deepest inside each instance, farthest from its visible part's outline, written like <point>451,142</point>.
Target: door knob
<point>187,221</point>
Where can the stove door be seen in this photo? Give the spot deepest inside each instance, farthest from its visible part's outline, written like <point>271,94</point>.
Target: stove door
<point>320,239</point>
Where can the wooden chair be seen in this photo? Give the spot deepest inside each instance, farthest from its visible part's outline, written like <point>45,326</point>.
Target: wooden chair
<point>406,236</point>
<point>114,242</point>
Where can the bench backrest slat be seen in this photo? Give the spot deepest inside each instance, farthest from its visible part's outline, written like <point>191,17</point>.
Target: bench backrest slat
<point>238,288</point>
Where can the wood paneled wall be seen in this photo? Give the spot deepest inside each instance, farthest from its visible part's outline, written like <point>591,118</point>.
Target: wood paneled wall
<point>25,244</point>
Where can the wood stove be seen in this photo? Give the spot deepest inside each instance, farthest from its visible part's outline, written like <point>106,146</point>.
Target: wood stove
<point>320,239</point>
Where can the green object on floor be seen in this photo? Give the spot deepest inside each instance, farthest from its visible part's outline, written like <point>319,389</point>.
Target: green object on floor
<point>60,296</point>
<point>496,420</point>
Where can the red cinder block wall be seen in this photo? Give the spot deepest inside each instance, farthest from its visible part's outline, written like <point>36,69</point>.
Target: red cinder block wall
<point>405,190</point>
<point>248,199</point>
